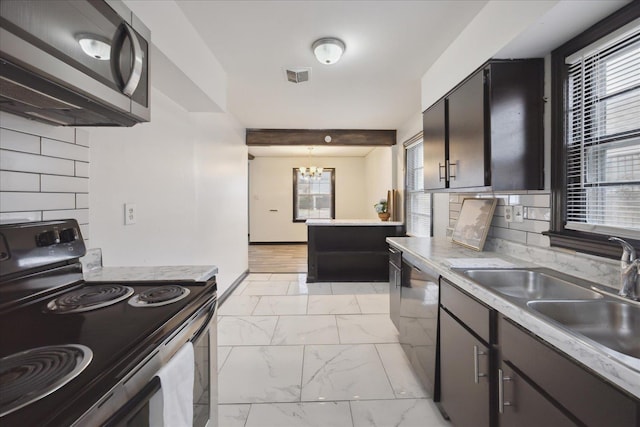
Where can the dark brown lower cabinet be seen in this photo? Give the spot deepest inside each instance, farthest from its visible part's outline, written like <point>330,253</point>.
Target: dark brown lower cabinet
<point>521,405</point>
<point>582,395</point>
<point>495,372</point>
<point>464,374</point>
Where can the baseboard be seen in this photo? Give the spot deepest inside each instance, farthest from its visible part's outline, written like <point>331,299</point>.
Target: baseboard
<point>277,243</point>
<point>233,287</point>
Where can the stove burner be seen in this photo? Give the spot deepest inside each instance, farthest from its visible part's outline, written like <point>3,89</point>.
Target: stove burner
<point>33,374</point>
<point>159,296</point>
<point>90,297</point>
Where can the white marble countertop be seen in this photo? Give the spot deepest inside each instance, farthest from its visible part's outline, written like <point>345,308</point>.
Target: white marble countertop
<point>195,273</point>
<point>366,222</point>
<point>441,255</point>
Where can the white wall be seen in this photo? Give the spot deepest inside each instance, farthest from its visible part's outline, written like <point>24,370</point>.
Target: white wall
<point>271,187</point>
<point>497,24</point>
<point>187,175</point>
<point>378,172</point>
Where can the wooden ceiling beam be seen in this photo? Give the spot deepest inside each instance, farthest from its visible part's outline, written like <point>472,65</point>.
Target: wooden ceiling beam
<point>344,137</point>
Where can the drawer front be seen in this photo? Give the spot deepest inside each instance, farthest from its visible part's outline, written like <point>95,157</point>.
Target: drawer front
<point>395,256</point>
<point>588,397</point>
<point>471,312</point>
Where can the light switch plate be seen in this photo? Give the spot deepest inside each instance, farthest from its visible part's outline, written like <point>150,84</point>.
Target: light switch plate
<point>518,213</point>
<point>130,213</point>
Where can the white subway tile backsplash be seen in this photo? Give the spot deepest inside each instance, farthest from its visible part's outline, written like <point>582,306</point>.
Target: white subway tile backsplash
<point>19,181</point>
<point>82,201</point>
<point>17,201</point>
<point>24,162</point>
<point>537,215</point>
<point>530,225</point>
<point>499,221</point>
<point>534,200</point>
<point>80,215</point>
<point>535,239</point>
<point>82,169</point>
<point>44,172</point>
<point>82,137</point>
<point>10,121</point>
<point>542,214</point>
<point>18,141</point>
<point>13,217</point>
<point>508,234</point>
<point>64,184</point>
<point>64,150</point>
<point>502,200</point>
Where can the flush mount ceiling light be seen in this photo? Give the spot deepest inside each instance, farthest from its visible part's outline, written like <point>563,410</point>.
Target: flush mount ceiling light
<point>93,46</point>
<point>328,50</point>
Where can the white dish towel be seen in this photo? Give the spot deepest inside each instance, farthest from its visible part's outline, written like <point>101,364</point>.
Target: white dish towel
<point>172,406</point>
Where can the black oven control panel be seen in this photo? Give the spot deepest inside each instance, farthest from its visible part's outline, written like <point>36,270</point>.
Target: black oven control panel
<point>28,246</point>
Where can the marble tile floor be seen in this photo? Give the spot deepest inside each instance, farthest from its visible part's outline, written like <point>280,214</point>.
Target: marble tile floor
<point>292,354</point>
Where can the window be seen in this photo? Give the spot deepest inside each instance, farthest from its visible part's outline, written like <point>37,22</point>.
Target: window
<point>314,197</point>
<point>596,137</point>
<point>418,206</point>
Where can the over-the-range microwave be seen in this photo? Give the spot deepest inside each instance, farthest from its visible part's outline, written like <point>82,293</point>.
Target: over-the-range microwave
<point>74,62</point>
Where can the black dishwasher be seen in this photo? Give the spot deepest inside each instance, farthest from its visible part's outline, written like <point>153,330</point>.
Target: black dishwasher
<point>418,321</point>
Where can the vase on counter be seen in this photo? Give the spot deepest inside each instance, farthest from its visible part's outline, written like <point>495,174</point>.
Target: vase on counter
<point>384,216</point>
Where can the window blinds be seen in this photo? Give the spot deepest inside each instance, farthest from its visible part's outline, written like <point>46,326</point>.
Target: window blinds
<point>603,137</point>
<point>418,210</point>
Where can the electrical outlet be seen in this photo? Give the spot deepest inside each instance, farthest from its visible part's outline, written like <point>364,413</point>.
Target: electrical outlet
<point>508,213</point>
<point>130,213</point>
<point>518,213</point>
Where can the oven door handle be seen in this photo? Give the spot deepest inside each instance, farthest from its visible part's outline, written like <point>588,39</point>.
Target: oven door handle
<point>133,405</point>
<point>205,325</point>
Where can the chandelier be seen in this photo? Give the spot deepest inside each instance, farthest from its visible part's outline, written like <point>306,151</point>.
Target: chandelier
<point>311,172</point>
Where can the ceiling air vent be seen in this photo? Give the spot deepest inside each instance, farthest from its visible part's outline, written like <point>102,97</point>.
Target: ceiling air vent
<point>298,75</point>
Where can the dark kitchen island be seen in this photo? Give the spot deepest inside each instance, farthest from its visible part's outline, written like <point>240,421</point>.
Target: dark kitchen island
<point>349,250</point>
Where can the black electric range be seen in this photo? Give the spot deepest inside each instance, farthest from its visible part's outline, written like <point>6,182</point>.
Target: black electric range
<point>44,326</point>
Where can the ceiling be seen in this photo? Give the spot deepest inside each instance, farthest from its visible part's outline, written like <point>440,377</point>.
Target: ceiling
<point>376,85</point>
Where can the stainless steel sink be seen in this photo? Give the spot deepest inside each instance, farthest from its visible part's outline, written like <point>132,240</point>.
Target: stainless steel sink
<point>529,284</point>
<point>613,324</point>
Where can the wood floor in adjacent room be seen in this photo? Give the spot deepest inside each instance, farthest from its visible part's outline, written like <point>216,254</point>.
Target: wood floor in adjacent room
<point>278,258</point>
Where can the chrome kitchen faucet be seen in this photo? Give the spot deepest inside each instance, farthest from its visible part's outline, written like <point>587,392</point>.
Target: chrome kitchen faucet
<point>629,271</point>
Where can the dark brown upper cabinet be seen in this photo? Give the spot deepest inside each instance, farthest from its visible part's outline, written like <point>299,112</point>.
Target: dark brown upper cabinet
<point>487,133</point>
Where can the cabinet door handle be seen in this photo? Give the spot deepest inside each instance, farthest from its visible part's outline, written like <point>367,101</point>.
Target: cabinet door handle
<point>501,402</point>
<point>476,364</point>
<point>452,175</point>
<point>442,167</point>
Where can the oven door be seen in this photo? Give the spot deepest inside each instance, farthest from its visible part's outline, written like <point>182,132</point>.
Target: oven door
<point>201,331</point>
